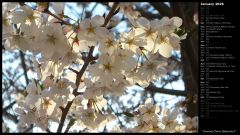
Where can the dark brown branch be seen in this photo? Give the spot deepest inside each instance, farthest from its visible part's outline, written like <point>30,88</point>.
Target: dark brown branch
<point>152,88</point>
<point>117,114</point>
<point>50,13</point>
<point>9,106</point>
<point>189,51</point>
<point>147,14</point>
<point>77,82</point>
<point>64,114</point>
<point>70,124</point>
<point>10,116</point>
<point>48,130</point>
<point>55,16</point>
<point>84,67</point>
<point>80,73</point>
<point>75,71</point>
<point>93,8</point>
<point>111,13</point>
<point>28,129</point>
<point>24,67</point>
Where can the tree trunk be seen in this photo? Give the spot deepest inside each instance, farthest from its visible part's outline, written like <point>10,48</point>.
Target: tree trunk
<point>189,52</point>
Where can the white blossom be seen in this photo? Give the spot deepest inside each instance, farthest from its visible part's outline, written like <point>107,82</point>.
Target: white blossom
<point>106,70</point>
<point>53,41</point>
<point>131,58</point>
<point>152,69</point>
<point>90,29</point>
<point>132,42</point>
<point>107,42</point>
<point>26,16</point>
<point>148,31</point>
<point>191,123</point>
<point>149,111</point>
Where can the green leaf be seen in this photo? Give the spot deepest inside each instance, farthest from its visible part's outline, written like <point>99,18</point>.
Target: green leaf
<point>42,87</point>
<point>128,114</point>
<point>180,32</point>
<point>72,121</point>
<point>65,16</point>
<point>21,3</point>
<point>35,81</point>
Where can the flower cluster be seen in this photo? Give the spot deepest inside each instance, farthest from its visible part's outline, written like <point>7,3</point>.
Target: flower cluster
<point>132,58</point>
<point>149,120</point>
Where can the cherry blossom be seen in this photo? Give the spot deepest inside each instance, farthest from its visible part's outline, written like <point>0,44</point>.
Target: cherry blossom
<point>107,42</point>
<point>125,59</point>
<point>148,31</point>
<point>90,29</point>
<point>127,9</point>
<point>121,61</point>
<point>58,7</point>
<point>54,41</point>
<point>26,16</point>
<point>6,22</point>
<point>169,119</point>
<point>106,70</point>
<point>152,69</point>
<point>90,118</point>
<point>191,123</point>
<point>132,42</point>
<point>149,111</point>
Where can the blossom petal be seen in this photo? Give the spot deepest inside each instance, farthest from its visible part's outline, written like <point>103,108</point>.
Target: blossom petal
<point>97,20</point>
<point>143,22</point>
<point>84,24</point>
<point>165,50</point>
<point>177,21</point>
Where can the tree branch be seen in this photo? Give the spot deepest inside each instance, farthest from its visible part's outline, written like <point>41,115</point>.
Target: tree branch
<point>110,14</point>
<point>50,13</point>
<point>9,106</point>
<point>48,130</point>
<point>80,73</point>
<point>84,67</point>
<point>117,114</point>
<point>10,116</point>
<point>24,67</point>
<point>28,129</point>
<point>64,114</point>
<point>73,70</point>
<point>189,52</point>
<point>70,124</point>
<point>153,88</point>
<point>147,14</point>
<point>55,16</point>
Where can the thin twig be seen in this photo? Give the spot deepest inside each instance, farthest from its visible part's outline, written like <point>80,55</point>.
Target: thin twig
<point>120,122</point>
<point>75,71</point>
<point>48,130</point>
<point>64,114</point>
<point>24,66</point>
<point>55,16</point>
<point>93,8</point>
<point>111,13</point>
<point>80,73</point>
<point>166,91</point>
<point>9,106</point>
<point>50,13</point>
<point>70,124</point>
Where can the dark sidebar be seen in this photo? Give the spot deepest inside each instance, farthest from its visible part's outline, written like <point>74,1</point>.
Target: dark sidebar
<point>219,62</point>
